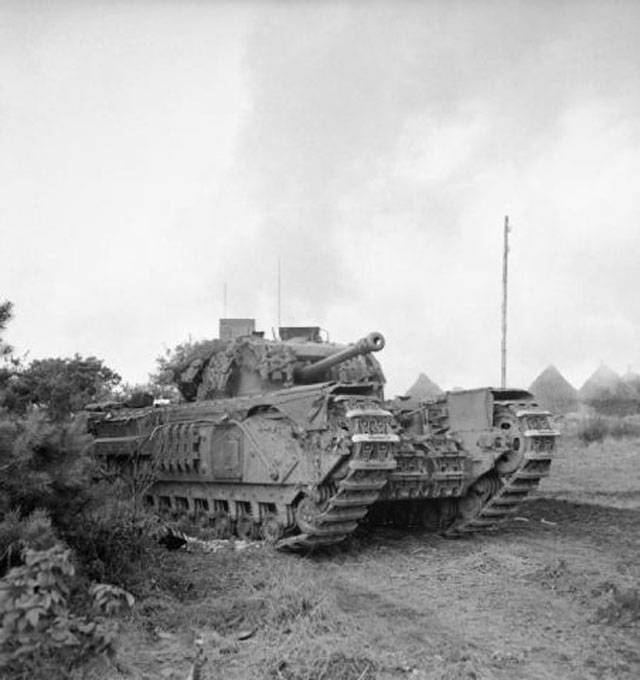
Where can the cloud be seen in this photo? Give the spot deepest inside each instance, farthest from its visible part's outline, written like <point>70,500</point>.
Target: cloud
<point>153,155</point>
<point>385,144</point>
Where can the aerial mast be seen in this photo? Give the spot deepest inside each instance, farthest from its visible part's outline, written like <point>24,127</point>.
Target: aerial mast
<point>505,274</point>
<point>279,294</point>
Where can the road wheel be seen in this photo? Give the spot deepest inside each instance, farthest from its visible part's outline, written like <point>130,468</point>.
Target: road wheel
<point>307,513</point>
<point>271,530</point>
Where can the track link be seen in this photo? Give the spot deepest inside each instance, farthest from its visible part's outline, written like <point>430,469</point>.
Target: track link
<point>511,491</point>
<point>371,463</point>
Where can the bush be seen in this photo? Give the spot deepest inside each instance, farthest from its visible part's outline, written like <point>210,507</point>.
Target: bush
<point>50,623</point>
<point>19,533</point>
<point>45,466</point>
<point>51,488</point>
<point>111,542</point>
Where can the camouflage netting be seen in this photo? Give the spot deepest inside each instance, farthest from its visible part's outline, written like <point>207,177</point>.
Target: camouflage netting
<point>211,375</point>
<point>216,369</point>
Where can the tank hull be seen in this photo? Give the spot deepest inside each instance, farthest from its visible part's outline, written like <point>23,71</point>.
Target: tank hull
<point>303,467</point>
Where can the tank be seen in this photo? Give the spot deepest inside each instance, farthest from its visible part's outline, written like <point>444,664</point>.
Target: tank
<point>291,440</point>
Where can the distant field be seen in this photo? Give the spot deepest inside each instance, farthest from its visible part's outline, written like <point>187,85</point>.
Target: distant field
<point>606,473</point>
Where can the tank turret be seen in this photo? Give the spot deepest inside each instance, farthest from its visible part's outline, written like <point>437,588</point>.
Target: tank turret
<point>249,364</point>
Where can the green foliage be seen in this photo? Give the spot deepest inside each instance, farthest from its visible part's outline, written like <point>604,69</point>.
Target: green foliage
<point>49,488</point>
<point>61,386</point>
<point>42,634</point>
<point>157,390</point>
<point>8,363</point>
<point>18,533</point>
<point>174,361</point>
<point>52,616</point>
<point>110,599</point>
<point>113,540</point>
<point>45,466</point>
<point>6,312</point>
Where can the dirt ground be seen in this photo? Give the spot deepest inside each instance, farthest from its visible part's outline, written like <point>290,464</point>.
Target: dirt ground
<point>552,594</point>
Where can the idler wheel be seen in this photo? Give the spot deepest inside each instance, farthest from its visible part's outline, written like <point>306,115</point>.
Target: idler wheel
<point>307,513</point>
<point>271,530</point>
<point>508,463</point>
<point>246,528</point>
<point>221,526</point>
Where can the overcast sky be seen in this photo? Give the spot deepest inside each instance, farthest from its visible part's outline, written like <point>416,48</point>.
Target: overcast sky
<point>151,152</point>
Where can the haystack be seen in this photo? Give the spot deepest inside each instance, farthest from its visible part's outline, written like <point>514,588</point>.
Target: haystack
<point>633,380</point>
<point>424,388</point>
<point>554,392</point>
<point>608,393</point>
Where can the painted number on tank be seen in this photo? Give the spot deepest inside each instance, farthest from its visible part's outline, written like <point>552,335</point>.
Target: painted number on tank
<point>371,426</point>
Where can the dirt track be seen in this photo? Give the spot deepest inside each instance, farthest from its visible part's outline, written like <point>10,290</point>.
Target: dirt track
<point>537,599</point>
<point>533,601</point>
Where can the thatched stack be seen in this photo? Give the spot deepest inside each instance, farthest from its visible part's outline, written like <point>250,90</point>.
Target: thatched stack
<point>633,380</point>
<point>609,393</point>
<point>554,392</point>
<point>424,388</point>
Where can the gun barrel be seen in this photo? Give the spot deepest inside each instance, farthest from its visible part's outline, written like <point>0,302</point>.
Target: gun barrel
<point>373,342</point>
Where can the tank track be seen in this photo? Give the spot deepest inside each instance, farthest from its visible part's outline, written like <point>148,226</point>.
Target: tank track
<point>348,501</point>
<point>499,497</point>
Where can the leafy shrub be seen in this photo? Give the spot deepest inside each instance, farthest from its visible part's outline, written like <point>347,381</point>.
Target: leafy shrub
<point>49,490</point>
<point>45,466</point>
<point>110,599</point>
<point>49,624</point>
<point>113,540</point>
<point>19,533</point>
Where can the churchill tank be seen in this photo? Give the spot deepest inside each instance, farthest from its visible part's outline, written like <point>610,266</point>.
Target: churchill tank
<point>292,440</point>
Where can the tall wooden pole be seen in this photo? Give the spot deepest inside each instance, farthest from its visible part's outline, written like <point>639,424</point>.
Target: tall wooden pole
<point>279,297</point>
<point>505,274</point>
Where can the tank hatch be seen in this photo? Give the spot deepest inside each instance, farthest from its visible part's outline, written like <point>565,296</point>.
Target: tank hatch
<point>230,329</point>
<point>306,333</point>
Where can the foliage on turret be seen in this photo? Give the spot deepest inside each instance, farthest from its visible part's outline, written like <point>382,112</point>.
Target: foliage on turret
<point>249,364</point>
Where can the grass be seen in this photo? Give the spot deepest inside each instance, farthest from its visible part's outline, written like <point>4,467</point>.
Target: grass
<point>606,472</point>
<point>270,616</point>
<point>597,428</point>
<point>277,613</point>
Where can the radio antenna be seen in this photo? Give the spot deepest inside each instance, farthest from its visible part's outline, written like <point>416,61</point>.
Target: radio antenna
<point>224,299</point>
